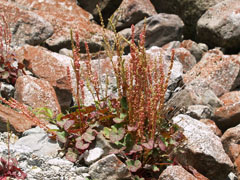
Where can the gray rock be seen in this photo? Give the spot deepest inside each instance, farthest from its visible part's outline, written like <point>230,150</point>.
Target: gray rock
<point>131,12</point>
<point>93,155</point>
<point>188,10</point>
<point>39,143</point>
<point>221,29</point>
<point>203,149</point>
<point>199,112</point>
<point>160,29</point>
<point>195,93</point>
<point>109,168</point>
<point>176,173</point>
<point>26,27</point>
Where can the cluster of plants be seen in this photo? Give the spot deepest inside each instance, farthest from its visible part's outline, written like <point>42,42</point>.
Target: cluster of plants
<point>134,121</point>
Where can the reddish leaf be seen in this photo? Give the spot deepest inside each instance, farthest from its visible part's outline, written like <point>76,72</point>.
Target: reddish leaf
<point>68,124</point>
<point>80,144</point>
<point>148,145</point>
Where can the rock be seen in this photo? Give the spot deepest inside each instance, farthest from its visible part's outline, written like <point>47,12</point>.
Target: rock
<point>188,10</point>
<point>230,140</point>
<point>6,90</point>
<point>160,29</point>
<point>195,93</point>
<point>219,25</point>
<point>228,115</point>
<point>221,72</point>
<point>39,142</point>
<point>18,122</point>
<point>51,67</point>
<point>92,155</point>
<point>66,15</point>
<point>212,125</point>
<point>36,93</point>
<point>107,8</point>
<point>197,50</point>
<point>26,27</point>
<point>131,12</point>
<point>172,45</point>
<point>109,168</point>
<point>203,149</point>
<point>176,173</point>
<point>199,111</point>
<point>186,58</point>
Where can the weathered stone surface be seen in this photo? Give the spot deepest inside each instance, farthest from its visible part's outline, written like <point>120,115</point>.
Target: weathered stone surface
<point>186,58</point>
<point>176,173</point>
<point>109,167</point>
<point>160,29</point>
<point>203,149</point>
<point>107,7</point>
<point>131,12</point>
<point>229,114</point>
<point>195,93</point>
<point>18,122</point>
<point>230,140</point>
<point>197,50</point>
<point>66,15</point>
<point>188,10</point>
<point>212,125</point>
<point>39,142</point>
<point>220,71</point>
<point>26,27</point>
<point>49,66</point>
<point>219,26</point>
<point>36,93</point>
<point>199,112</point>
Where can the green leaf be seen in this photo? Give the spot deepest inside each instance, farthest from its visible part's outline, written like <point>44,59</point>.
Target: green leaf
<point>118,120</point>
<point>71,156</point>
<point>133,166</point>
<point>61,136</point>
<point>115,136</point>
<point>106,132</point>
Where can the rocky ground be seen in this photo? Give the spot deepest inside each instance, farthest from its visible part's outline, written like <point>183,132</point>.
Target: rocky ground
<point>203,88</point>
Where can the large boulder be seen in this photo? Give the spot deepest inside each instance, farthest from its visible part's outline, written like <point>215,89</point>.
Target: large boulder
<point>229,114</point>
<point>36,93</point>
<point>203,149</point>
<point>64,16</point>
<point>195,93</point>
<point>38,141</point>
<point>49,66</point>
<point>221,72</point>
<point>18,122</point>
<point>219,26</point>
<point>160,29</point>
<point>26,27</point>
<point>188,10</point>
<point>131,12</point>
